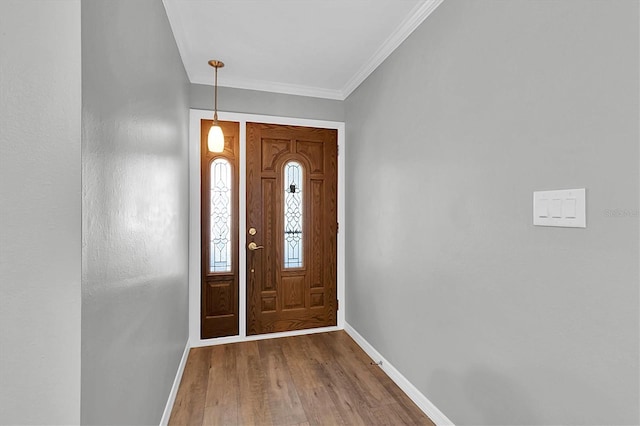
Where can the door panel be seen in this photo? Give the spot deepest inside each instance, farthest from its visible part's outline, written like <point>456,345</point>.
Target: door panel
<point>219,250</point>
<point>296,221</point>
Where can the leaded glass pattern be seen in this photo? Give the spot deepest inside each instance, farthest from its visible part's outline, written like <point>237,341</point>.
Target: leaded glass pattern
<point>293,214</point>
<point>220,220</point>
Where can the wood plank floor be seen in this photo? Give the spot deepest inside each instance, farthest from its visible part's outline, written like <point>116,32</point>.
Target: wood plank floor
<point>316,379</point>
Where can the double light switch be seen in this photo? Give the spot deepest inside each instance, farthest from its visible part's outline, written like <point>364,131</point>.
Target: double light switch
<point>564,208</point>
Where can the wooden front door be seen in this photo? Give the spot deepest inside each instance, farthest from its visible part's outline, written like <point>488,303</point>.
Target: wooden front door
<point>291,228</point>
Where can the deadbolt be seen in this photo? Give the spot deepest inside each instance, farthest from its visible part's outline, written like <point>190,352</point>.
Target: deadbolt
<point>252,231</point>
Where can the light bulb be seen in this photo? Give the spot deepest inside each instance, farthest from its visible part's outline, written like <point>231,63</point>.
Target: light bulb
<point>215,140</point>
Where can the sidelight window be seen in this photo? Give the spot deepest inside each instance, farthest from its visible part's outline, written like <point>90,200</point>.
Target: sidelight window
<point>293,215</point>
<point>220,220</point>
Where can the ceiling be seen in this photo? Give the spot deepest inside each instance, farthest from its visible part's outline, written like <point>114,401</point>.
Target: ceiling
<point>319,48</point>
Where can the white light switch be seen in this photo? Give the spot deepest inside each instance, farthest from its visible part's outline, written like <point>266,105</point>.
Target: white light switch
<point>565,208</point>
<point>542,208</point>
<point>569,208</point>
<point>556,208</point>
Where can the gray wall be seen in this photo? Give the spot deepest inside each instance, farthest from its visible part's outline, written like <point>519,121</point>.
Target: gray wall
<point>494,320</point>
<point>267,103</point>
<point>135,211</point>
<point>40,212</point>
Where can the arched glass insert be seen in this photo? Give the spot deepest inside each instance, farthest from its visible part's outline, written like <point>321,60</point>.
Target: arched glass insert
<point>220,220</point>
<point>293,214</point>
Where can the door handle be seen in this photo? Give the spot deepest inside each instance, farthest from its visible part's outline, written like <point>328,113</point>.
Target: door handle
<point>254,246</point>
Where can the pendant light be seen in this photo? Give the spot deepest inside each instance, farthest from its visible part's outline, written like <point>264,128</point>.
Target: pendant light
<point>215,140</point>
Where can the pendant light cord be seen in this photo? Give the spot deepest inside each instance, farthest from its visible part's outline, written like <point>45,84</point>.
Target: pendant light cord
<point>215,101</point>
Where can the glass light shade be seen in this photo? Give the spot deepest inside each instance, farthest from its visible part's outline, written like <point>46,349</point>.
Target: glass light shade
<point>215,140</point>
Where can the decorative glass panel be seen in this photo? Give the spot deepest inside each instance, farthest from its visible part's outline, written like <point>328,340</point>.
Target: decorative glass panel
<point>293,213</point>
<point>220,220</point>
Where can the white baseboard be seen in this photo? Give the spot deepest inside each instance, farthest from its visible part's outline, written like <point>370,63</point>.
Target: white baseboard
<point>412,392</point>
<point>164,421</point>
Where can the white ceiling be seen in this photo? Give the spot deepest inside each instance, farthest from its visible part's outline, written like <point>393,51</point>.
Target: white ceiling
<point>320,48</point>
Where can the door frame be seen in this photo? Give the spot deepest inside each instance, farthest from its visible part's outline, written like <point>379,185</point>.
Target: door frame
<point>195,117</point>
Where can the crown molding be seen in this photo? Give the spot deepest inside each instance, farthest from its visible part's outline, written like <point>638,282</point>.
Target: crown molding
<point>270,86</point>
<point>406,27</point>
<point>411,22</point>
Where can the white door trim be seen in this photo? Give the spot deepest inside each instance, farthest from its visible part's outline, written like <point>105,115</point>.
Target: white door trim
<point>195,115</point>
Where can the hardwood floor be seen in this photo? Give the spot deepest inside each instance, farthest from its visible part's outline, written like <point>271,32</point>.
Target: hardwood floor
<point>316,379</point>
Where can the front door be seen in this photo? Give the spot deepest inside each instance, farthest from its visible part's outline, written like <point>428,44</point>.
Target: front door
<point>291,228</point>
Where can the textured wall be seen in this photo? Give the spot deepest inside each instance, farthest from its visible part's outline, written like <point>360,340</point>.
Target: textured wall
<point>135,211</point>
<point>40,212</point>
<point>267,103</point>
<point>494,320</point>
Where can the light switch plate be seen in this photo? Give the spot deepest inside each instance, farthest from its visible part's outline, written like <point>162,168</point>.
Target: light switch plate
<point>564,208</point>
